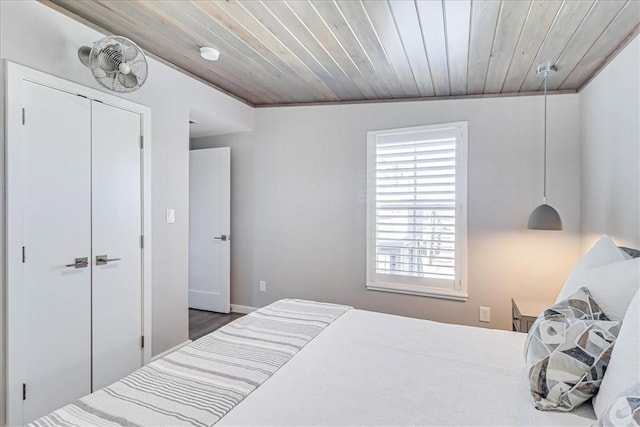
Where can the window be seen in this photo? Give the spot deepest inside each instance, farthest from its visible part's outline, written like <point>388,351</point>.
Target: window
<point>416,213</point>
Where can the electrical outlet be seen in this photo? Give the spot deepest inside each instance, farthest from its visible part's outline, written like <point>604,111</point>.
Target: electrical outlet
<point>263,286</point>
<point>485,314</point>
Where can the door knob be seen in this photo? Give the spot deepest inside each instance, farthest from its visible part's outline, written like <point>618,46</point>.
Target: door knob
<point>103,259</point>
<point>223,237</point>
<point>79,263</point>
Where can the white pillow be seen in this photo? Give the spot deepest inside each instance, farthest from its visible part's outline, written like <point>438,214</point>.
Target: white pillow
<point>603,252</point>
<point>624,368</point>
<point>612,285</point>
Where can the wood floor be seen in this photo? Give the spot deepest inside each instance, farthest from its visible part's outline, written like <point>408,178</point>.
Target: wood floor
<point>203,322</point>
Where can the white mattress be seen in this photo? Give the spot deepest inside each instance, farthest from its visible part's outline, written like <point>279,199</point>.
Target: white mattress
<point>370,369</point>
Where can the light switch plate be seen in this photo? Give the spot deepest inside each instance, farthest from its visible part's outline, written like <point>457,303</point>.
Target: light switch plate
<point>263,286</point>
<point>170,216</point>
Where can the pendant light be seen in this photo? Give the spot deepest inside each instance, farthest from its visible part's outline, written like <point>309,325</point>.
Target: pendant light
<point>544,217</point>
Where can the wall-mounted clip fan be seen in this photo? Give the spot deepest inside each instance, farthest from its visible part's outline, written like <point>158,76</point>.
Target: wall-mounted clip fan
<point>116,62</point>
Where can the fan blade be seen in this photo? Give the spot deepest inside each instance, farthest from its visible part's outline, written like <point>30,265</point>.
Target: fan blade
<point>99,73</point>
<point>129,53</point>
<point>139,61</point>
<point>128,80</point>
<point>83,54</point>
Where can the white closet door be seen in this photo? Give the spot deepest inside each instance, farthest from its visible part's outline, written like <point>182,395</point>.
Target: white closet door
<point>56,231</point>
<point>117,226</point>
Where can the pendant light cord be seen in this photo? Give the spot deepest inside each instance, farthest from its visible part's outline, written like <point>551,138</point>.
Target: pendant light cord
<point>544,187</point>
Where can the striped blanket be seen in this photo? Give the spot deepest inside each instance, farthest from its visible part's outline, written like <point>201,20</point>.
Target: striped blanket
<point>198,384</point>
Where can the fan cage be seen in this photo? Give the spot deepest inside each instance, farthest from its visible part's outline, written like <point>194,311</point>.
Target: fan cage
<point>106,59</point>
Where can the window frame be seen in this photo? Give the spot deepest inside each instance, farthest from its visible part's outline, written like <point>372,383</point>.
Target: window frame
<point>406,284</point>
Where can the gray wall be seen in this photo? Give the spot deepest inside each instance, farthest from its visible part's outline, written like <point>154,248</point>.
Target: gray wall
<point>610,151</point>
<point>298,203</point>
<point>39,37</point>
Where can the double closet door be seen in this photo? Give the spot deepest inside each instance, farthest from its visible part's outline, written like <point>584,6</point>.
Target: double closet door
<point>82,258</point>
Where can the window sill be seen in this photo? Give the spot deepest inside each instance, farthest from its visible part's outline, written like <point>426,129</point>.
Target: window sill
<point>398,288</point>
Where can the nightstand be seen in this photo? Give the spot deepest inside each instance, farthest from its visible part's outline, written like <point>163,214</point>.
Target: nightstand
<point>525,312</point>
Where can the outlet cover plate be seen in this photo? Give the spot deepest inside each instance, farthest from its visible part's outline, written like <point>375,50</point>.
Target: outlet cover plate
<point>485,314</point>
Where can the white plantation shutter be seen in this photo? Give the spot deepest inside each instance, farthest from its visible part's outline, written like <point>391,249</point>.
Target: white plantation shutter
<point>416,224</point>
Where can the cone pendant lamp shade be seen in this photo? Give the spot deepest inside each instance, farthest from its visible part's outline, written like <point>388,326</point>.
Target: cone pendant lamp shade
<point>544,217</point>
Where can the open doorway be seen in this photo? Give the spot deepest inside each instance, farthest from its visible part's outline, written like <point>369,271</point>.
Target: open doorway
<point>209,240</point>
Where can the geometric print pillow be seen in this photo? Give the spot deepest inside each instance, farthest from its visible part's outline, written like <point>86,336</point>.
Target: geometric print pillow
<point>567,352</point>
<point>624,411</point>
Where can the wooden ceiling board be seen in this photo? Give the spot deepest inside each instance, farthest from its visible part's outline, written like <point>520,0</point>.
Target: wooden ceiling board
<point>598,19</point>
<point>513,15</point>
<point>263,15</point>
<point>189,22</point>
<point>363,30</point>
<point>569,17</point>
<point>309,16</point>
<point>326,67</point>
<point>289,74</point>
<point>541,16</point>
<point>384,26</point>
<point>623,25</point>
<point>335,20</point>
<point>258,39</point>
<point>431,15</point>
<point>484,14</point>
<point>408,26</point>
<point>284,52</point>
<point>457,16</point>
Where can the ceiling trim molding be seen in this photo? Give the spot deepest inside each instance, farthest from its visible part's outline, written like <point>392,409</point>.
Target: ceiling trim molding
<point>418,99</point>
<point>106,32</point>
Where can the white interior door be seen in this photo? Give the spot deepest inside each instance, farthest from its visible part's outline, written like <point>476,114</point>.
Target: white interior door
<point>56,233</point>
<point>209,229</point>
<point>117,254</point>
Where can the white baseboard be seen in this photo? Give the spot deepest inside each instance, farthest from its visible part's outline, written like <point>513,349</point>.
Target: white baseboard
<point>244,309</point>
<point>171,350</point>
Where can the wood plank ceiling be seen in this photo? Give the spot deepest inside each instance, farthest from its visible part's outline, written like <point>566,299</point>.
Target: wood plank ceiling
<point>299,51</point>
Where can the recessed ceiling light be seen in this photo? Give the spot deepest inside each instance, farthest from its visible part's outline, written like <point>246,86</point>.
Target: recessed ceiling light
<point>209,53</point>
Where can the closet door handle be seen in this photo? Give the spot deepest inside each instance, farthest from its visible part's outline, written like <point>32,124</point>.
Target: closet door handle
<point>224,237</point>
<point>103,260</point>
<point>80,263</point>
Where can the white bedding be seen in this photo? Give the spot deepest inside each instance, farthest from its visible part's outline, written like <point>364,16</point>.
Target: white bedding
<point>371,369</point>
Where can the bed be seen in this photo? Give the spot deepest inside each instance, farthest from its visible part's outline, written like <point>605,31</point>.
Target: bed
<point>377,369</point>
<point>296,363</point>
<point>301,363</point>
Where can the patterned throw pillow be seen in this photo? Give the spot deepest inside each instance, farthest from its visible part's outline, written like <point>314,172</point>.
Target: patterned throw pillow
<point>567,352</point>
<point>624,411</point>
